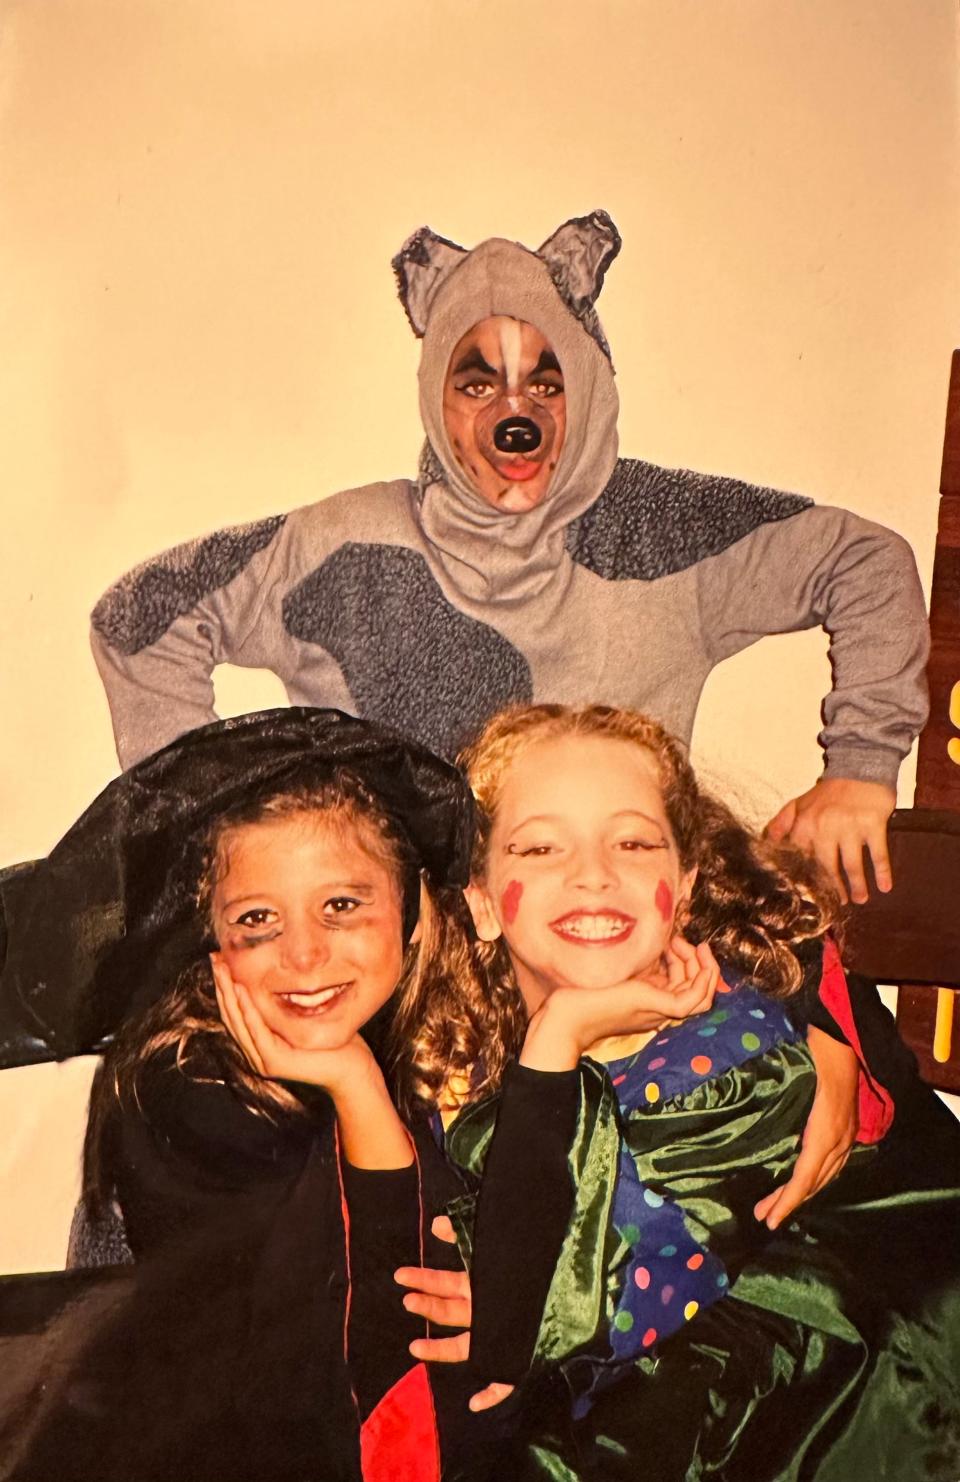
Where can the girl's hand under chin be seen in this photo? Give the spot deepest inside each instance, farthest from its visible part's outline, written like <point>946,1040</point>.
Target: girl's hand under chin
<point>571,1021</point>
<point>272,1056</point>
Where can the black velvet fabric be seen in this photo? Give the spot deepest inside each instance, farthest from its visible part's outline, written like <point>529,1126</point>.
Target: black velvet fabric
<point>253,1335</point>
<point>104,925</point>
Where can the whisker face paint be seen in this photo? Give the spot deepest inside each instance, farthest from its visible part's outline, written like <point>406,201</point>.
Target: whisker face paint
<point>510,901</point>
<point>663,900</point>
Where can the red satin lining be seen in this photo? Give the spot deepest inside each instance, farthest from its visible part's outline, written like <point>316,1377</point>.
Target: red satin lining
<point>399,1440</point>
<point>875,1104</point>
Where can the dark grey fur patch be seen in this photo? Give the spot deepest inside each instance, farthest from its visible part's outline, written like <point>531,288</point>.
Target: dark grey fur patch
<point>411,660</point>
<point>142,605</point>
<point>101,1242</point>
<point>650,521</point>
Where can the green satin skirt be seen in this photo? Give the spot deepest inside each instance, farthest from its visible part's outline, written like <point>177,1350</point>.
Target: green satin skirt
<point>834,1358</point>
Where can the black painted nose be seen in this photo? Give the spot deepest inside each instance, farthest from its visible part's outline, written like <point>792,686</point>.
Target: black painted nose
<point>517,435</point>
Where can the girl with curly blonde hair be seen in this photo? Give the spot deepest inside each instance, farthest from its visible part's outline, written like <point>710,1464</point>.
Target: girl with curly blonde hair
<point>613,1047</point>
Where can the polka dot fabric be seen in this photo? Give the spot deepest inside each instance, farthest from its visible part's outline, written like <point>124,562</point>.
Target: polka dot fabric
<point>743,1023</point>
<point>667,1277</point>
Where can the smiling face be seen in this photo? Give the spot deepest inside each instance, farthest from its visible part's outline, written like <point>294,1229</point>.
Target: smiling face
<point>310,922</point>
<point>504,412</point>
<point>583,876</point>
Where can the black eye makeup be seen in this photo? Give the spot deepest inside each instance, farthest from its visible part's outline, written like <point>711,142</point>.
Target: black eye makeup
<point>256,918</point>
<point>477,389</point>
<point>342,905</point>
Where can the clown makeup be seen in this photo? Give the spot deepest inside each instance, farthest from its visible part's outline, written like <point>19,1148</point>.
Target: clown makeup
<point>583,876</point>
<point>310,923</point>
<point>504,412</point>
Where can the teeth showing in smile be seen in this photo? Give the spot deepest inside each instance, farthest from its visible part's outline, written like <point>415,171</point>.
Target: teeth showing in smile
<point>593,928</point>
<point>316,999</point>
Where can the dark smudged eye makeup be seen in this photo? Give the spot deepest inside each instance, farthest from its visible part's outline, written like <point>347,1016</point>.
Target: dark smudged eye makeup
<point>258,916</point>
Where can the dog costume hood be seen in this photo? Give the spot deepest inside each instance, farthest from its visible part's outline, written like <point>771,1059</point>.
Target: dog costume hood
<point>446,290</point>
<point>417,604</point>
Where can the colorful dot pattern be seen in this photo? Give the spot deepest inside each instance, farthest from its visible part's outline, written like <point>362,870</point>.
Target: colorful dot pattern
<point>746,1024</point>
<point>667,1277</point>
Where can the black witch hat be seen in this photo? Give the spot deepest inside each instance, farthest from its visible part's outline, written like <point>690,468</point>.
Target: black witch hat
<point>105,924</point>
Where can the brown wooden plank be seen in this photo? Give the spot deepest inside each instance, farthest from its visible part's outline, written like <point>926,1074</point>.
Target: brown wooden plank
<point>916,1015</point>
<point>938,776</point>
<point>950,470</point>
<point>912,934</point>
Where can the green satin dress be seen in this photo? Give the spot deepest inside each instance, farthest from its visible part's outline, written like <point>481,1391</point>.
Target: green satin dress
<point>828,1351</point>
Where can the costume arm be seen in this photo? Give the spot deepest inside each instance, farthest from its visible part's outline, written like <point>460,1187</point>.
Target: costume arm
<point>159,632</point>
<point>189,1150</point>
<point>526,1200</point>
<point>859,581</point>
<point>570,1173</point>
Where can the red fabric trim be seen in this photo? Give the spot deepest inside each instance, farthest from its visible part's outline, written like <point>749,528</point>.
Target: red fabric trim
<point>345,1215</point>
<point>875,1104</point>
<point>399,1440</point>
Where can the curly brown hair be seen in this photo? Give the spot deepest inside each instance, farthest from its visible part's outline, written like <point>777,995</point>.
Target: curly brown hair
<point>755,902</point>
<point>186,1018</point>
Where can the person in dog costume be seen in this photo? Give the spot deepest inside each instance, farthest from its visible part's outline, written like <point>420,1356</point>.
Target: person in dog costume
<point>528,562</point>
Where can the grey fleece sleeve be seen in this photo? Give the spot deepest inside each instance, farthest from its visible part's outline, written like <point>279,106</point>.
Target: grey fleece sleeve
<point>826,567</point>
<point>160,630</point>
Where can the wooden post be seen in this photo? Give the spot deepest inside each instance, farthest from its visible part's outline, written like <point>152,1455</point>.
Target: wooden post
<point>924,1014</point>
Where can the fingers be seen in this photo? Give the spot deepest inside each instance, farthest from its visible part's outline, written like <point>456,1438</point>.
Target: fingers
<point>876,841</point>
<point>780,825</point>
<point>851,857</point>
<point>680,956</point>
<point>485,1399</point>
<point>442,1350</point>
<point>434,1283</point>
<point>827,852</point>
<point>230,1004</point>
<point>701,978</point>
<point>442,1228</point>
<point>811,1173</point>
<point>440,1296</point>
<point>447,1312</point>
<point>836,820</point>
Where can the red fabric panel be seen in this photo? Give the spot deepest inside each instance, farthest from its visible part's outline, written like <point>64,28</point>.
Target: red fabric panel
<point>875,1102</point>
<point>398,1440</point>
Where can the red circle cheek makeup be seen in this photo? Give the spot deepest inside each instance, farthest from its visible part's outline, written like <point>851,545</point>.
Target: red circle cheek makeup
<point>510,901</point>
<point>663,900</point>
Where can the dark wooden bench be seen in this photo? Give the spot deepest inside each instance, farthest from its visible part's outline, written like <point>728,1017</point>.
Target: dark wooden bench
<point>912,936</point>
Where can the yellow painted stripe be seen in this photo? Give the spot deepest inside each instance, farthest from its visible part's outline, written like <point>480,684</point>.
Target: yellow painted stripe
<point>943,1029</point>
<point>955,705</point>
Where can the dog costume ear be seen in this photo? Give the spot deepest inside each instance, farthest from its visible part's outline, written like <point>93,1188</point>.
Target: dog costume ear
<point>578,255</point>
<point>421,265</point>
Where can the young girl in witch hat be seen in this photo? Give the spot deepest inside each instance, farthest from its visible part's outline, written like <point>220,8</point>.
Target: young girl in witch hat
<point>235,921</point>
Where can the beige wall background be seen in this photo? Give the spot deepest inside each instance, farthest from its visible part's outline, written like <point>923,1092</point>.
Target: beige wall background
<point>199,200</point>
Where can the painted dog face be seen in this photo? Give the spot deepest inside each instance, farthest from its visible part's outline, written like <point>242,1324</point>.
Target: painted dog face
<point>504,411</point>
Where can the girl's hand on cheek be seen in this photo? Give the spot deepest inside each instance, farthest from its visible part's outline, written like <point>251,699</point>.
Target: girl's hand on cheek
<point>693,977</point>
<point>572,1020</point>
<point>272,1056</point>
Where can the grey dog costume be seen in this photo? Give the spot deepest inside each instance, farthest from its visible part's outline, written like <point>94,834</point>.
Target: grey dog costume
<point>418,605</point>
